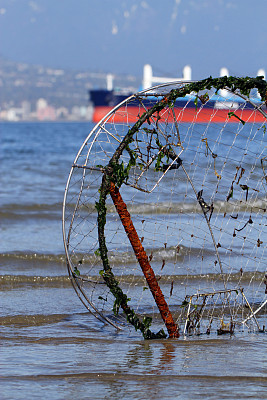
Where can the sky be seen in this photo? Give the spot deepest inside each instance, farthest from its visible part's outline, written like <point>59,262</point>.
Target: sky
<point>120,36</point>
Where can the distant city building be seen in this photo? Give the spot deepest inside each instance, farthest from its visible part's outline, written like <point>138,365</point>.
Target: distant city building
<point>41,104</point>
<point>44,112</point>
<point>26,110</point>
<point>62,113</point>
<point>13,114</point>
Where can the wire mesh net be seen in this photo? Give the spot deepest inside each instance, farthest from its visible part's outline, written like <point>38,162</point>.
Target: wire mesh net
<point>171,191</point>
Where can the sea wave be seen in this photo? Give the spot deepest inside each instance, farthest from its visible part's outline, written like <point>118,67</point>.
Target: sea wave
<point>20,212</point>
<point>15,257</point>
<point>115,257</point>
<point>51,211</point>
<point>167,207</point>
<point>8,281</point>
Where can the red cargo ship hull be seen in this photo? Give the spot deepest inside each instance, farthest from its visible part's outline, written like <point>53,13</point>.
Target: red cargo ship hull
<point>130,114</point>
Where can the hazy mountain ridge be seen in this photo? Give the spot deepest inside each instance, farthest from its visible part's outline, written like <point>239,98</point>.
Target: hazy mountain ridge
<point>21,82</point>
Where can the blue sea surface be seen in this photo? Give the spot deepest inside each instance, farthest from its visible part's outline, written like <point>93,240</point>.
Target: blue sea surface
<point>51,347</point>
<point>36,159</point>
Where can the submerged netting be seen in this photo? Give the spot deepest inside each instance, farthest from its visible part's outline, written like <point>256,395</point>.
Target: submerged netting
<point>164,217</point>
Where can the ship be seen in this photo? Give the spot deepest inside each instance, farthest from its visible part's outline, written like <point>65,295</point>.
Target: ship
<point>216,109</point>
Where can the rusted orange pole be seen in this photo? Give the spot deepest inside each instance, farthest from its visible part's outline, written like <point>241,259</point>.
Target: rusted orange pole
<point>143,261</point>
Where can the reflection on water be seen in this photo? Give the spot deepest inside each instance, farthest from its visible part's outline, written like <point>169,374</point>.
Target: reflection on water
<point>75,355</point>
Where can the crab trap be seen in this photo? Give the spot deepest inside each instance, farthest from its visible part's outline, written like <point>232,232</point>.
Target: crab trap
<point>164,214</point>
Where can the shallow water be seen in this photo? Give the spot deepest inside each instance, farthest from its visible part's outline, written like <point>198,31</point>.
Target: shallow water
<point>51,346</point>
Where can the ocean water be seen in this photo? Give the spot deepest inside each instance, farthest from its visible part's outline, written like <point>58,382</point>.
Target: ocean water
<point>51,347</point>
